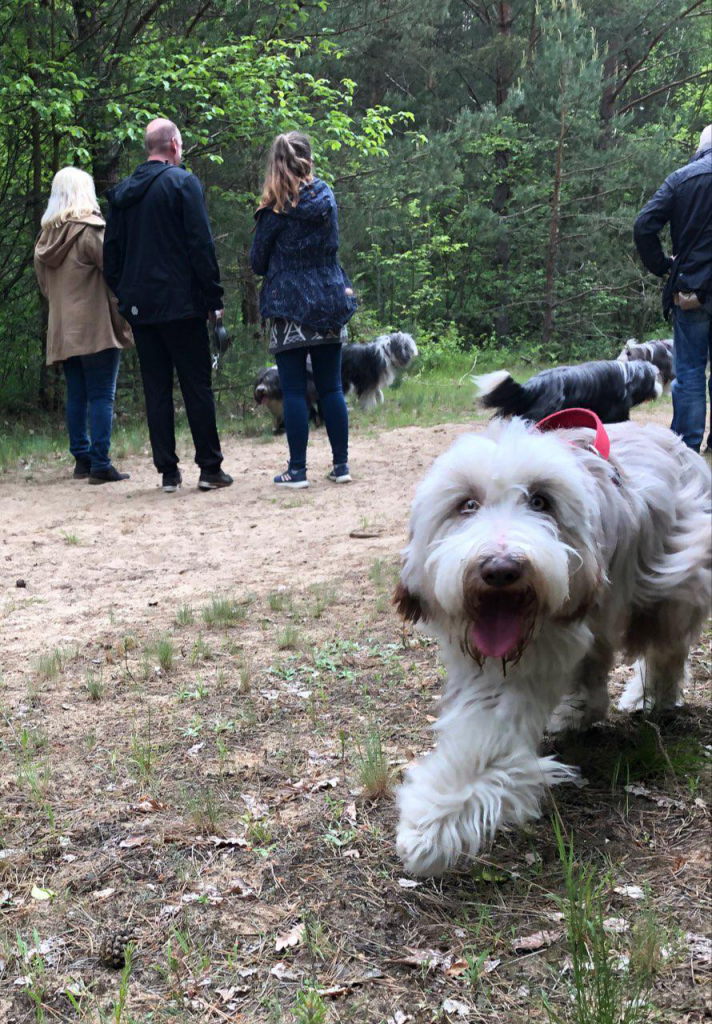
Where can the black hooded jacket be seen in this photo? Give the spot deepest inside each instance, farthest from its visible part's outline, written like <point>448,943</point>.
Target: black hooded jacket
<point>685,200</point>
<point>159,255</point>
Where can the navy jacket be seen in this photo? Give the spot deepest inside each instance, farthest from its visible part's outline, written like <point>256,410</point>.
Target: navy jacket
<point>685,200</point>
<point>296,253</point>
<point>159,255</point>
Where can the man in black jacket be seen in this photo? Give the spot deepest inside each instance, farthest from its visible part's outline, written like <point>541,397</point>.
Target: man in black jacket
<point>685,200</point>
<point>159,259</point>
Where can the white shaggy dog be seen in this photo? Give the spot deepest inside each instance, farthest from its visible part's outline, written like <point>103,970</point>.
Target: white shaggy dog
<point>533,560</point>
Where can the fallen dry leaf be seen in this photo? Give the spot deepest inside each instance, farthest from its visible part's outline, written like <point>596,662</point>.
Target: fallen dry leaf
<point>284,973</point>
<point>131,841</point>
<point>633,892</point>
<point>456,1006</point>
<point>408,883</point>
<point>538,940</point>
<point>334,991</point>
<point>616,925</point>
<point>102,894</point>
<point>147,805</point>
<point>227,841</point>
<point>40,894</point>
<point>700,947</point>
<point>293,937</point>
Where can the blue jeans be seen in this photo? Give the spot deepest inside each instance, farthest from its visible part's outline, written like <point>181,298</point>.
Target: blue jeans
<point>692,349</point>
<point>326,366</point>
<point>91,387</point>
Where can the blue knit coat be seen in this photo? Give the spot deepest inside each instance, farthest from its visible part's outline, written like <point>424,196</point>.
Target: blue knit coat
<point>296,252</point>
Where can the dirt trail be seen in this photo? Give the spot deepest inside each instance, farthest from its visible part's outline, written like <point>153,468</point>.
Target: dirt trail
<point>140,553</point>
<point>120,556</point>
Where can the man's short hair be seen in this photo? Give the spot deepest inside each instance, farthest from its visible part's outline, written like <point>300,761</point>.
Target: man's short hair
<point>705,138</point>
<point>159,135</point>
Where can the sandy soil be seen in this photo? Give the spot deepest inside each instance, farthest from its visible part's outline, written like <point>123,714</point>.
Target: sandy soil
<point>139,551</point>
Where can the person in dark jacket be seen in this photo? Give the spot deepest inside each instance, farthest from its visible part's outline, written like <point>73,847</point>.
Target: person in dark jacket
<point>684,200</point>
<point>306,298</point>
<point>159,260</point>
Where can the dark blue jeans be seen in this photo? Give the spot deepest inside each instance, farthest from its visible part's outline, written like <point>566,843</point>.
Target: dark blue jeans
<point>326,366</point>
<point>691,351</point>
<point>91,387</point>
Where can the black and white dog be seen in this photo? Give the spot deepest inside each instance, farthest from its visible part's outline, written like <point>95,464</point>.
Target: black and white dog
<point>607,387</point>
<point>658,352</point>
<point>367,369</point>
<point>268,392</point>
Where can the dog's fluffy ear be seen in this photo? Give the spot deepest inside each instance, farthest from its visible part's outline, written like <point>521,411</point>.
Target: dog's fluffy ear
<point>408,604</point>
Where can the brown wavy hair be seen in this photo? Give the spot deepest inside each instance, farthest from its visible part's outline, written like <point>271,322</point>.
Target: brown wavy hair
<point>289,165</point>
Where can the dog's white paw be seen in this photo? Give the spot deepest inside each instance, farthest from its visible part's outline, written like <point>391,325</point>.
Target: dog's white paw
<point>634,697</point>
<point>422,851</point>
<point>574,714</point>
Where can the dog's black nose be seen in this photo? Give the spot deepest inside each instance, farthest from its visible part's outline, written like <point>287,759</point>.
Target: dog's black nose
<point>501,570</point>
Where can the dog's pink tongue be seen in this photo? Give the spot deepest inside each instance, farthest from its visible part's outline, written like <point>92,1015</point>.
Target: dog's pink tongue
<point>498,630</point>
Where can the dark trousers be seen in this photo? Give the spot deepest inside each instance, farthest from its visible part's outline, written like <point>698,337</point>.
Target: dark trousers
<point>326,367</point>
<point>182,344</point>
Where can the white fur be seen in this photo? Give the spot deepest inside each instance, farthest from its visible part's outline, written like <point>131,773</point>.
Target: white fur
<point>620,560</point>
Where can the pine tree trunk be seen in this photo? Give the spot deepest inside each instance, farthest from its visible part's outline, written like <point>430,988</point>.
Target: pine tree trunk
<point>552,253</point>
<point>502,190</point>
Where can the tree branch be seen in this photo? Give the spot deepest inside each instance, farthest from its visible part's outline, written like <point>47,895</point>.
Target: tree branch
<point>663,88</point>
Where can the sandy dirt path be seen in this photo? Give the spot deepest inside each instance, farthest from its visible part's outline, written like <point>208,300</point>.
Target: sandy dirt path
<point>127,555</point>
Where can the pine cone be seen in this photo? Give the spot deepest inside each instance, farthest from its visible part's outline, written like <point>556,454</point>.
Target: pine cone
<point>112,951</point>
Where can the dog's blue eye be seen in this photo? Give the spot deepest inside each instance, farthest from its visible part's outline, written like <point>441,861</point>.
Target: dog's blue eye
<point>539,503</point>
<point>469,506</point>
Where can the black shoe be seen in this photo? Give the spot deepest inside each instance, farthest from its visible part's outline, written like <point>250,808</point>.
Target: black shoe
<point>82,469</point>
<point>172,481</point>
<point>106,476</point>
<point>210,481</point>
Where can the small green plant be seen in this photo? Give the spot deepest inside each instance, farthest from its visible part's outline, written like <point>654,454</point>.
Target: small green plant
<point>289,639</point>
<point>94,685</point>
<point>603,990</point>
<point>70,538</point>
<point>184,616</point>
<point>143,752</point>
<point>309,1007</point>
<point>204,810</point>
<point>223,612</point>
<point>372,765</point>
<point>200,651</point>
<point>316,938</point>
<point>50,665</point>
<point>279,600</point>
<point>165,653</point>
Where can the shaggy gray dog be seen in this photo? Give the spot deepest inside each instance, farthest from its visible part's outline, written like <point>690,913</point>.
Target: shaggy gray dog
<point>533,560</point>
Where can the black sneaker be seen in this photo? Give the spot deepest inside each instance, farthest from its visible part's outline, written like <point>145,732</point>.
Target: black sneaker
<point>82,469</point>
<point>172,481</point>
<point>107,476</point>
<point>339,474</point>
<point>210,481</point>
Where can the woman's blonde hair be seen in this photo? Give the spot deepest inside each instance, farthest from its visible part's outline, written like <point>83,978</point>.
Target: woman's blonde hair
<point>289,165</point>
<point>73,196</point>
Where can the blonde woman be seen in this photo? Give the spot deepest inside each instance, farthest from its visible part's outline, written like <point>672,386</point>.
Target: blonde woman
<point>85,332</point>
<point>306,297</point>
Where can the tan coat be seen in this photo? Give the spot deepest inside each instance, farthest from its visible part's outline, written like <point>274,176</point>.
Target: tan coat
<point>83,315</point>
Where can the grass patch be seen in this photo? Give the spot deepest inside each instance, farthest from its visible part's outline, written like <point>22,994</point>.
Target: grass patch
<point>373,771</point>
<point>604,988</point>
<point>223,612</point>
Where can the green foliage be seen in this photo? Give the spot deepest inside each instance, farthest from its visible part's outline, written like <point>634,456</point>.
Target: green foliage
<point>487,189</point>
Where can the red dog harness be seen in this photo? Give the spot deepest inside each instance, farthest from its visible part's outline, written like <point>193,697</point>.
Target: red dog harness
<point>579,418</point>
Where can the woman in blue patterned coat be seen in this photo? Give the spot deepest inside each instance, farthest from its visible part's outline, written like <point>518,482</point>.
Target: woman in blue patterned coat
<point>306,298</point>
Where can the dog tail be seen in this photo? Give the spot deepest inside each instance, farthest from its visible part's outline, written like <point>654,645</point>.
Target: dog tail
<point>499,390</point>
